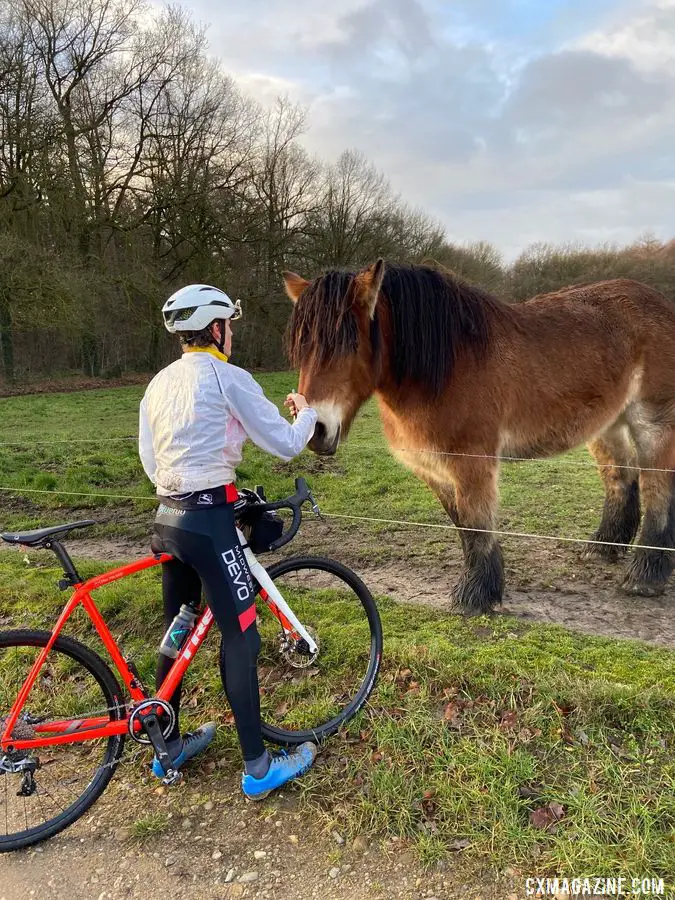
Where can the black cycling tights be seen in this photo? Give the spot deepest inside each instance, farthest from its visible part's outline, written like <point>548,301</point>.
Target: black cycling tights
<point>207,555</point>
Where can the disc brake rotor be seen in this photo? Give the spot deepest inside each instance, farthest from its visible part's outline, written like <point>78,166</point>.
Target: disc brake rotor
<point>296,652</point>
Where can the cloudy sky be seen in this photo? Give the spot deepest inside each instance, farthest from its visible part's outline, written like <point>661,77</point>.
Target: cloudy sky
<point>514,121</point>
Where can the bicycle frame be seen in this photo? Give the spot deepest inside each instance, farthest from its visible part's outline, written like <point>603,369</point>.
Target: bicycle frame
<point>69,730</point>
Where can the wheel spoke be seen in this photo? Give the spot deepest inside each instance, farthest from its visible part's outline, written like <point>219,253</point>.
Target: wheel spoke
<point>59,784</point>
<point>72,682</point>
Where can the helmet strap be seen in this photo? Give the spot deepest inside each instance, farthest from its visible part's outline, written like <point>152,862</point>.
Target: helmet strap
<point>221,343</point>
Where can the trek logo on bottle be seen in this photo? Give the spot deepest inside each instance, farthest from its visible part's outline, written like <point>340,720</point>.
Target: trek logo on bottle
<point>178,634</point>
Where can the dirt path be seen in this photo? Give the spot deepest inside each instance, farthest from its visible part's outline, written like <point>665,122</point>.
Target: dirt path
<point>593,607</point>
<point>545,582</point>
<point>211,844</point>
<point>71,384</point>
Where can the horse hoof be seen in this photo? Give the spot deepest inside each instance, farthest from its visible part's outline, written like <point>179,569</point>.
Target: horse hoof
<point>642,589</point>
<point>600,551</point>
<point>473,613</point>
<point>469,608</point>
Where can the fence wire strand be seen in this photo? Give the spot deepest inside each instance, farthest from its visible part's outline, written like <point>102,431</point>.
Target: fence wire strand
<point>101,440</point>
<point>518,534</point>
<point>547,461</point>
<point>404,522</point>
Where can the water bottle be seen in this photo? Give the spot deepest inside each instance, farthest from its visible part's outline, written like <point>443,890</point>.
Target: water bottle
<point>177,632</point>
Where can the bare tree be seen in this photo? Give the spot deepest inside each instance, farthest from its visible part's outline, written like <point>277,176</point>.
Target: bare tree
<point>283,187</point>
<point>131,163</point>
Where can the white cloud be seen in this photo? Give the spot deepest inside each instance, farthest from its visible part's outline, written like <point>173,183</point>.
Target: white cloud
<point>647,38</point>
<point>266,88</point>
<point>556,131</point>
<point>614,215</point>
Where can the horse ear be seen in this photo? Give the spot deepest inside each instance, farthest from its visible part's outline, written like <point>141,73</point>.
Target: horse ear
<point>294,285</point>
<point>368,285</point>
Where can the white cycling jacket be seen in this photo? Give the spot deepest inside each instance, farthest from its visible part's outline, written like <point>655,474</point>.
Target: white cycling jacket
<point>195,417</point>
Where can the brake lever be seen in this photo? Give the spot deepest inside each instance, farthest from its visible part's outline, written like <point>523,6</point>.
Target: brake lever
<point>315,506</point>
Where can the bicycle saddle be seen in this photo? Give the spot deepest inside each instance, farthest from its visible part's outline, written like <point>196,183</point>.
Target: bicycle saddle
<point>38,536</point>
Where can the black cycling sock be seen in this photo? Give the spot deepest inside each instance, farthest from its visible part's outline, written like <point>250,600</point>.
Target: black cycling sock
<point>174,746</point>
<point>259,767</point>
<point>164,664</point>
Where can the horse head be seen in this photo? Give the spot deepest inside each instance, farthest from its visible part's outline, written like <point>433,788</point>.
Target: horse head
<point>333,340</point>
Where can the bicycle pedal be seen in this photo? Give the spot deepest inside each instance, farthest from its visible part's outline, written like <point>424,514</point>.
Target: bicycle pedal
<point>173,778</point>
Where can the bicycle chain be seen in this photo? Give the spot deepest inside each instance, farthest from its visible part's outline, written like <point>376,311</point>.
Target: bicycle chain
<point>128,757</point>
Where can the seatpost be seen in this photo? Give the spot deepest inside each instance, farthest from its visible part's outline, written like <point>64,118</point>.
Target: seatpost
<point>72,577</point>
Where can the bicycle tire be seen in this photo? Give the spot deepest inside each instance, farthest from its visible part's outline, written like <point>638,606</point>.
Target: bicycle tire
<point>114,697</point>
<point>290,738</point>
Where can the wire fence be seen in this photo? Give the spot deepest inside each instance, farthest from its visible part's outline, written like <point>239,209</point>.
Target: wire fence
<point>375,520</point>
<point>371,519</point>
<point>102,440</point>
<point>549,461</point>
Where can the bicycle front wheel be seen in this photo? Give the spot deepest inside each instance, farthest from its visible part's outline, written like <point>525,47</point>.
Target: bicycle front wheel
<point>43,790</point>
<point>308,696</point>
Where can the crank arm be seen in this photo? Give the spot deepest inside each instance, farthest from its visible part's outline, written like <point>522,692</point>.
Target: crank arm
<point>154,732</point>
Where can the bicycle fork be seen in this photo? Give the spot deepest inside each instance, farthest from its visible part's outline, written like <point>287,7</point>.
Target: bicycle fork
<point>271,595</point>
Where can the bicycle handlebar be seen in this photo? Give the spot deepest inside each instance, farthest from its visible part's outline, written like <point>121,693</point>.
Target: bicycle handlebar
<point>294,502</point>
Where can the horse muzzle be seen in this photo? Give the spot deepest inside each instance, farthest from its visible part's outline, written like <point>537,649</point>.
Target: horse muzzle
<point>322,443</point>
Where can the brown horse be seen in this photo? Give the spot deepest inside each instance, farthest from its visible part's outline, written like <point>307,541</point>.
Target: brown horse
<point>457,371</point>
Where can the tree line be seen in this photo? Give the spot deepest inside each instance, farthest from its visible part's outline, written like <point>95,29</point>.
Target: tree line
<point>131,163</point>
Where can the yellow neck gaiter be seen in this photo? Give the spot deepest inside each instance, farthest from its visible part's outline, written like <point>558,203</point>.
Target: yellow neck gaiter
<point>212,350</point>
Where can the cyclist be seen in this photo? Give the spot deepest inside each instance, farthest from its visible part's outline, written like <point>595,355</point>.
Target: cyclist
<point>194,418</point>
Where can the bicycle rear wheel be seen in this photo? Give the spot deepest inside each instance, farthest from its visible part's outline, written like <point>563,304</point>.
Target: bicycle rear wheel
<point>65,779</point>
<point>308,697</point>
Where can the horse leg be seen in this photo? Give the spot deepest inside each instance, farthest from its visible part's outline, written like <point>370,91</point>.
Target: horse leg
<point>617,463</point>
<point>649,570</point>
<point>445,492</point>
<point>481,586</point>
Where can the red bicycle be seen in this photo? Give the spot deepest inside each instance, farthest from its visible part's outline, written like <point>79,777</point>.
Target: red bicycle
<point>64,714</point>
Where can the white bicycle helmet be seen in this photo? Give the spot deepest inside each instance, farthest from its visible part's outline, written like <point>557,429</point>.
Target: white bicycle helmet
<point>195,306</point>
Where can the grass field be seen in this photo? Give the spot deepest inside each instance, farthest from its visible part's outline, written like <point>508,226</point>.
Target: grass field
<point>517,743</point>
<point>363,479</point>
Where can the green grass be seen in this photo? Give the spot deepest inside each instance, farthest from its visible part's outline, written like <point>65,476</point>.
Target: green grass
<point>149,826</point>
<point>475,725</point>
<point>362,479</point>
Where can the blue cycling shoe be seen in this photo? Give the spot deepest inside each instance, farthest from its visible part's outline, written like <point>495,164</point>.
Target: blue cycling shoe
<point>283,767</point>
<point>192,743</point>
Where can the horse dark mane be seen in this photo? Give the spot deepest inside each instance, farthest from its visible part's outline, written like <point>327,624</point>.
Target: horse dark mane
<point>322,320</point>
<point>433,313</point>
